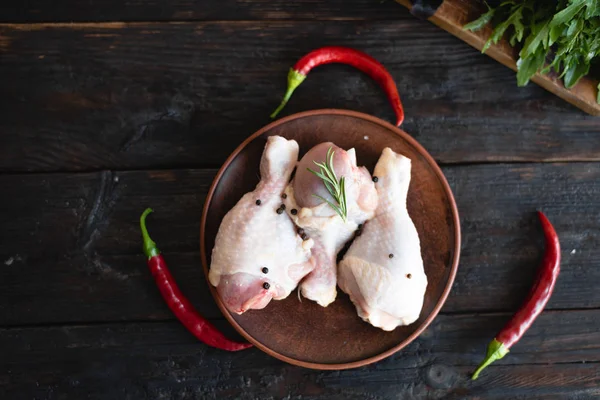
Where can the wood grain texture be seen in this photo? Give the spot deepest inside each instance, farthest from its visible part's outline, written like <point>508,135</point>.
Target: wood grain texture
<point>70,247</point>
<point>144,111</point>
<point>155,95</point>
<point>452,15</point>
<point>177,10</point>
<point>162,360</point>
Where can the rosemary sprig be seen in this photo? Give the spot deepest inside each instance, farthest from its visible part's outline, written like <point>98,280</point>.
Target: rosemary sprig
<point>335,187</point>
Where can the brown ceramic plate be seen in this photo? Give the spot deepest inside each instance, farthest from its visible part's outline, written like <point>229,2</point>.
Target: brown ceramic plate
<point>304,333</point>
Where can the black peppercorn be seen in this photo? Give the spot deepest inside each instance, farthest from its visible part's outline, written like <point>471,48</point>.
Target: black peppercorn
<point>375,179</point>
<point>280,210</point>
<point>294,211</point>
<point>304,236</point>
<point>300,231</point>
<point>265,270</point>
<point>360,226</point>
<point>282,206</point>
<point>391,255</point>
<point>258,202</point>
<point>284,196</point>
<point>409,276</point>
<point>266,285</point>
<point>358,233</point>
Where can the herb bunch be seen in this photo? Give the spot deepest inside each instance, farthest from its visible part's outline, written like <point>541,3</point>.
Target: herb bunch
<point>335,187</point>
<point>562,35</point>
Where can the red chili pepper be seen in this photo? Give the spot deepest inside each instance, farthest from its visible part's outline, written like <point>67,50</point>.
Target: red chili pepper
<point>343,55</point>
<point>535,302</point>
<point>181,307</point>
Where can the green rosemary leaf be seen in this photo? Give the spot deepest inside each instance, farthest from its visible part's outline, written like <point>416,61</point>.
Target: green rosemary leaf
<point>335,187</point>
<point>343,190</point>
<point>337,209</point>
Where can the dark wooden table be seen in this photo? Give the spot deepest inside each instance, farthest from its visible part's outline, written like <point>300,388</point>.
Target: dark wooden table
<point>112,106</point>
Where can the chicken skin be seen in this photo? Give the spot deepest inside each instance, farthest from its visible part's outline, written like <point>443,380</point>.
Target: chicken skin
<point>382,271</point>
<point>320,222</point>
<point>258,255</point>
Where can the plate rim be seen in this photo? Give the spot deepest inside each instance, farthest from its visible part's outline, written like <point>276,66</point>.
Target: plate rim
<point>456,254</point>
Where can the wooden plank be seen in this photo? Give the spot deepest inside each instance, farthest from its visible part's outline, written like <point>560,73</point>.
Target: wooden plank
<point>70,246</point>
<point>177,10</point>
<point>152,360</point>
<point>154,95</point>
<point>496,204</point>
<point>452,15</point>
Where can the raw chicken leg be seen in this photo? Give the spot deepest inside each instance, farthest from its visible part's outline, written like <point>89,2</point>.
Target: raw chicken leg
<point>320,222</point>
<point>258,254</point>
<point>382,271</point>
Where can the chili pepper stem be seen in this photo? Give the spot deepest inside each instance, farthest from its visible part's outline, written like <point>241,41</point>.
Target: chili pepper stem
<point>150,249</point>
<point>495,351</point>
<point>295,78</point>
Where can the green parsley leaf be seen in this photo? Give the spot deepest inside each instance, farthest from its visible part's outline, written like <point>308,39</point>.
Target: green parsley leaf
<point>527,67</point>
<point>539,34</point>
<point>482,21</point>
<point>561,36</point>
<point>575,71</point>
<point>566,15</point>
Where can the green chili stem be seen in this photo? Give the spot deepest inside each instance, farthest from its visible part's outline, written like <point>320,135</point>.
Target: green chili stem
<point>294,80</point>
<point>150,248</point>
<point>495,351</point>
